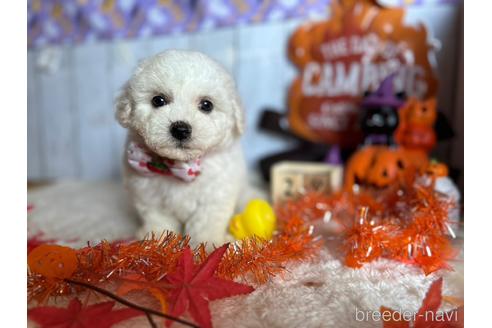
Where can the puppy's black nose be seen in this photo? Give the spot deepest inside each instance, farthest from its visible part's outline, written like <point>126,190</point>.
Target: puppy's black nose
<point>180,130</point>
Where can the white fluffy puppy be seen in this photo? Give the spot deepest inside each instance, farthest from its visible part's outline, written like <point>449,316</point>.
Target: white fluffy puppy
<point>183,164</point>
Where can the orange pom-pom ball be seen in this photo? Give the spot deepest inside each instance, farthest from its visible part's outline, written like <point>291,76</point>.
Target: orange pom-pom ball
<point>53,261</point>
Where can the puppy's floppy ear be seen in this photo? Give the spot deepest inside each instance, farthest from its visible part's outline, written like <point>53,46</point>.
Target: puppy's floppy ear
<point>238,114</point>
<point>123,106</point>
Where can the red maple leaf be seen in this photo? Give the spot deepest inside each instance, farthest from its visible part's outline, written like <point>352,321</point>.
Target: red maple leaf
<point>193,286</point>
<point>99,315</point>
<point>428,315</point>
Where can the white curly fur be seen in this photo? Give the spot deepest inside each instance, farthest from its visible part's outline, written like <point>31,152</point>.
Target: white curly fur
<point>201,208</point>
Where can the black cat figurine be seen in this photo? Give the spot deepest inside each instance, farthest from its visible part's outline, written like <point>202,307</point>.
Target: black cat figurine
<point>379,114</point>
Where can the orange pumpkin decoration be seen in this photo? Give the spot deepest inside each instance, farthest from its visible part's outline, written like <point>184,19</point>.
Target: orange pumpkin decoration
<point>416,129</point>
<point>357,167</point>
<point>381,166</point>
<point>53,261</point>
<point>387,168</point>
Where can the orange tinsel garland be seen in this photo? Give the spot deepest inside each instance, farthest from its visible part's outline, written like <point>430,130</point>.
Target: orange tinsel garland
<point>252,260</point>
<point>407,222</point>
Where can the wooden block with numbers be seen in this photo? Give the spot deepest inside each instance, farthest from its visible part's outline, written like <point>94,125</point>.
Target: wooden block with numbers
<point>290,179</point>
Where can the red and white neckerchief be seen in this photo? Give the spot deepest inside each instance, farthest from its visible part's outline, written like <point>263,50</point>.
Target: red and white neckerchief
<point>145,162</point>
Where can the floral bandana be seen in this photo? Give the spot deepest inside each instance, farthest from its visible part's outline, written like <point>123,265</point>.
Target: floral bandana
<point>147,163</point>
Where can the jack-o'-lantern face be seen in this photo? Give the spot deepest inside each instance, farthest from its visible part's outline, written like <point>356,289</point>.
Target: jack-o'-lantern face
<point>381,166</point>
<point>416,112</point>
<point>388,167</point>
<point>358,164</point>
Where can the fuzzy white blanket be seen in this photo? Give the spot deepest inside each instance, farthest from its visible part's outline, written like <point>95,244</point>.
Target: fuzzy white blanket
<point>323,293</point>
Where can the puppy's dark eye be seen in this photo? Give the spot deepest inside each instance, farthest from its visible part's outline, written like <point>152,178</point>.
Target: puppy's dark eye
<point>206,106</point>
<point>159,101</point>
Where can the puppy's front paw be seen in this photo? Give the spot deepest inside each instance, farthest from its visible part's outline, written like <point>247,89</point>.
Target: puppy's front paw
<point>211,241</point>
<point>157,223</point>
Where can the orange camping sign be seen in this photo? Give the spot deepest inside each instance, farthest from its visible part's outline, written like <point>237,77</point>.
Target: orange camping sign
<point>339,59</point>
